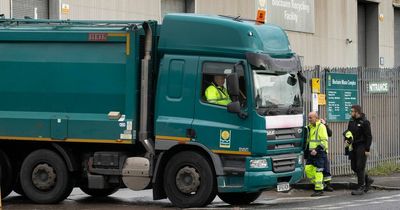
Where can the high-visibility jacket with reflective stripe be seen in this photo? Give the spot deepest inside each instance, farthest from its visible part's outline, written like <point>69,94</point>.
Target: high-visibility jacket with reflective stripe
<point>217,95</point>
<point>317,136</point>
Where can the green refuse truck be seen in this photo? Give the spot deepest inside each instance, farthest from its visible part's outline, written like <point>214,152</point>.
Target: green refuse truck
<point>103,105</point>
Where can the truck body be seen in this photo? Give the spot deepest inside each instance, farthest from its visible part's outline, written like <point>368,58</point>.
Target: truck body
<point>107,104</point>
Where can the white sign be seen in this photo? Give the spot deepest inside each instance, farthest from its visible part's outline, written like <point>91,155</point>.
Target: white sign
<point>294,15</point>
<point>378,87</point>
<point>315,102</point>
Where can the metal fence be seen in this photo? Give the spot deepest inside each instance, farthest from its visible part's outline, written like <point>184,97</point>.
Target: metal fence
<point>381,109</point>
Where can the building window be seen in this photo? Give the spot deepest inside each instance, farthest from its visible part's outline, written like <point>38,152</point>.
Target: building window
<point>177,6</point>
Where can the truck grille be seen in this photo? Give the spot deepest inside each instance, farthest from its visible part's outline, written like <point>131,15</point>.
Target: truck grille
<point>283,146</point>
<point>284,133</point>
<point>284,163</point>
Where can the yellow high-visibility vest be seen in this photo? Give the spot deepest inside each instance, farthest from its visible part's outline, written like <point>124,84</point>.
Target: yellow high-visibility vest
<point>217,95</point>
<point>317,136</point>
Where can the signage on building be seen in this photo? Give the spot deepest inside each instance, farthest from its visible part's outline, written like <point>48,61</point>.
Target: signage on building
<point>378,87</point>
<point>293,15</point>
<point>341,93</point>
<point>321,99</point>
<point>314,107</point>
<point>315,85</point>
<point>65,8</point>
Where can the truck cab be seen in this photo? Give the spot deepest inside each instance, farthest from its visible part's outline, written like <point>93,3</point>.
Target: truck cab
<point>255,142</point>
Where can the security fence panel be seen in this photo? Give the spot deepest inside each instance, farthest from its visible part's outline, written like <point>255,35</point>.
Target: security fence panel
<point>378,94</point>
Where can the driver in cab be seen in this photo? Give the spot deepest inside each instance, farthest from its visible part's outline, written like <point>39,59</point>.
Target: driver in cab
<point>216,93</point>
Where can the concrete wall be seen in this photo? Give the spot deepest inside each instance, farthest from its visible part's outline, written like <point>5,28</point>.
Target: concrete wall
<point>397,37</point>
<point>335,21</point>
<point>243,8</point>
<point>386,33</point>
<point>150,9</point>
<point>112,10</point>
<point>5,8</point>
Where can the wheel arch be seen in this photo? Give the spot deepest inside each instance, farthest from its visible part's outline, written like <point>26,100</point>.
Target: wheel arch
<point>67,155</point>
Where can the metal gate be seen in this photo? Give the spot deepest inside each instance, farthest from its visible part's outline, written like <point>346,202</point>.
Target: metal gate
<point>381,109</point>
<point>30,8</point>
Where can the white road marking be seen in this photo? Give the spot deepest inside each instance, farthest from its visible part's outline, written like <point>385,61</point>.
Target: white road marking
<point>355,203</point>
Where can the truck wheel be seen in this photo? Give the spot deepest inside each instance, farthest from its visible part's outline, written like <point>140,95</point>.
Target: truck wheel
<point>239,198</point>
<point>189,180</point>
<point>99,192</point>
<point>45,178</point>
<point>6,175</point>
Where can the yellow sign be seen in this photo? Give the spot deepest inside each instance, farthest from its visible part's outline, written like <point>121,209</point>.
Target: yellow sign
<point>315,85</point>
<point>65,8</point>
<point>321,99</point>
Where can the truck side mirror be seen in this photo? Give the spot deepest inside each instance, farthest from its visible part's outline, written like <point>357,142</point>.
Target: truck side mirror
<point>232,82</point>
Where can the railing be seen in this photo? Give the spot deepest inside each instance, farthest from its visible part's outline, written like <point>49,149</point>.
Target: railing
<point>381,109</point>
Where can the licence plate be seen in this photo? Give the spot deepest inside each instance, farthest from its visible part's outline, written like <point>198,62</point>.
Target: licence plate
<point>283,186</point>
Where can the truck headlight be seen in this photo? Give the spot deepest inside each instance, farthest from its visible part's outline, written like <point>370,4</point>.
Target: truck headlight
<point>259,163</point>
<point>300,160</point>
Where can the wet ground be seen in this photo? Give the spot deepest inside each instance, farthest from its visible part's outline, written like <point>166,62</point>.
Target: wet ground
<point>295,199</point>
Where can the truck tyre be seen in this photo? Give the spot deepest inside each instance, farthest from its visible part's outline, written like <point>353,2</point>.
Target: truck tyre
<point>6,175</point>
<point>99,192</point>
<point>239,198</point>
<point>189,180</point>
<point>45,177</point>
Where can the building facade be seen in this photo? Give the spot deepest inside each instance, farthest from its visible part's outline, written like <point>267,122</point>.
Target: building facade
<point>334,33</point>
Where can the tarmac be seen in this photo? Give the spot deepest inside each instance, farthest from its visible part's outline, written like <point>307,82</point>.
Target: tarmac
<point>389,182</point>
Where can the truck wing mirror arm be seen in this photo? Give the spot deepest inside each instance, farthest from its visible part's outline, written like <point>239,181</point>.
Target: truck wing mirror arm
<point>234,107</point>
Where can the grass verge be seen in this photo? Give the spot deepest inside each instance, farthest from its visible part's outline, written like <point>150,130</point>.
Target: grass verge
<point>385,169</point>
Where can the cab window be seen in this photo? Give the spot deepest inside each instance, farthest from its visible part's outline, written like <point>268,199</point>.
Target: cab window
<point>214,88</point>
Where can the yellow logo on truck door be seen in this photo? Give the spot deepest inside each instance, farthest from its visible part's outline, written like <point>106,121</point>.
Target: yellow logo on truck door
<point>224,138</point>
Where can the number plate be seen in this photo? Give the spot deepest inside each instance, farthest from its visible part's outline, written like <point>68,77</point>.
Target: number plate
<point>283,186</point>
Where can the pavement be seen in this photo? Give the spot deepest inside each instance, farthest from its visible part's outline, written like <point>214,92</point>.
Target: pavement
<point>389,182</point>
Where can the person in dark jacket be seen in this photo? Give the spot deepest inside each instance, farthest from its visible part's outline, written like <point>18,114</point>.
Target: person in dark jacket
<point>360,128</point>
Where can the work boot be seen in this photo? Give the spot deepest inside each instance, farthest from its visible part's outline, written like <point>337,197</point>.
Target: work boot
<point>368,184</point>
<point>328,187</point>
<point>317,193</point>
<point>358,191</point>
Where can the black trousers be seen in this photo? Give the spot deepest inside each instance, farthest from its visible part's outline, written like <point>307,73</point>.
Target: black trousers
<point>358,163</point>
<point>327,169</point>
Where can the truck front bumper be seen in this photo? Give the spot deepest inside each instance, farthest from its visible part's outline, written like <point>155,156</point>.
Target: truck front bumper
<point>253,181</point>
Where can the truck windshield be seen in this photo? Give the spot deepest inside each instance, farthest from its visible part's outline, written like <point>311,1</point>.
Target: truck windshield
<point>277,94</point>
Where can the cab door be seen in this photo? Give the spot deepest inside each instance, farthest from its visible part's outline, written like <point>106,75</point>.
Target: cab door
<point>175,98</point>
<point>215,127</point>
